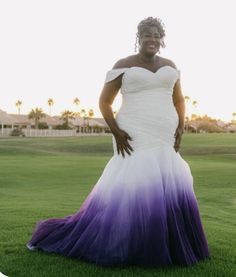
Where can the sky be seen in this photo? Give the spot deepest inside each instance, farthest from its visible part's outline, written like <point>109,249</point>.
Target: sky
<point>63,49</point>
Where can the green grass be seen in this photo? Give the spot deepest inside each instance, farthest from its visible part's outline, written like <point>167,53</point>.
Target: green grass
<point>50,177</point>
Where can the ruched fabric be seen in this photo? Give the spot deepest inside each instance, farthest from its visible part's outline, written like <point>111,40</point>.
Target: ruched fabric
<point>143,209</point>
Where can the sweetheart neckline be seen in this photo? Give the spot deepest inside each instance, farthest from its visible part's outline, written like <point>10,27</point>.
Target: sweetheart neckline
<point>146,68</point>
<point>158,69</point>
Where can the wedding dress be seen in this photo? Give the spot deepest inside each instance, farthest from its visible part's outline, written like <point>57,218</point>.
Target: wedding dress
<point>143,209</point>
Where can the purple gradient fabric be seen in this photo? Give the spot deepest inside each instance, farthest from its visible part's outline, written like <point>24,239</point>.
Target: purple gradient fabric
<point>143,209</point>
<point>143,219</point>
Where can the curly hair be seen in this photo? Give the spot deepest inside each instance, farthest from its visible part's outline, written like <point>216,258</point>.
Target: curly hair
<point>151,22</point>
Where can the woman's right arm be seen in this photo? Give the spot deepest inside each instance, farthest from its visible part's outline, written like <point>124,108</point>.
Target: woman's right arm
<point>106,99</point>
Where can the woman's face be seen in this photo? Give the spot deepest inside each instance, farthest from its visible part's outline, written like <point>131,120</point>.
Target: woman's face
<point>149,41</point>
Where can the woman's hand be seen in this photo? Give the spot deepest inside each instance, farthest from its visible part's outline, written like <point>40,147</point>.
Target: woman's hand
<point>178,135</point>
<point>122,143</point>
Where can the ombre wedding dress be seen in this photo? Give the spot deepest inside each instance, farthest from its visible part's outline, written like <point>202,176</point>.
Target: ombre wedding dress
<point>143,209</point>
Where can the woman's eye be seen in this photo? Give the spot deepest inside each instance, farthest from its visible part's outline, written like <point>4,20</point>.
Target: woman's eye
<point>148,36</point>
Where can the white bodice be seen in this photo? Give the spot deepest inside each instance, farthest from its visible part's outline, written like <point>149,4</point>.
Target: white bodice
<point>147,112</point>
<point>136,79</point>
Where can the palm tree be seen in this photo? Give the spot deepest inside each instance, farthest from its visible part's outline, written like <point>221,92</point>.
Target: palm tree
<point>50,104</point>
<point>36,114</point>
<point>76,101</point>
<point>90,114</point>
<point>187,100</point>
<point>18,105</point>
<point>194,103</point>
<point>193,116</point>
<point>83,114</point>
<point>65,116</point>
<point>234,117</point>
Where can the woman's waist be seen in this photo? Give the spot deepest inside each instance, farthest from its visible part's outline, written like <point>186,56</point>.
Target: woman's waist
<point>147,140</point>
<point>142,126</point>
<point>154,111</point>
<point>150,92</point>
<point>146,104</point>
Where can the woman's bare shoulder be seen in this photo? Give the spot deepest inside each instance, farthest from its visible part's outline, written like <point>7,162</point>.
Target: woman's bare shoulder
<point>166,61</point>
<point>125,62</point>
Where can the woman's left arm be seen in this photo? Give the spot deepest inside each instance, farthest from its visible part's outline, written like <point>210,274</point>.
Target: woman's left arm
<point>178,100</point>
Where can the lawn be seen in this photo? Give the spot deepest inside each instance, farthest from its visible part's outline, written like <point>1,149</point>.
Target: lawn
<point>50,177</point>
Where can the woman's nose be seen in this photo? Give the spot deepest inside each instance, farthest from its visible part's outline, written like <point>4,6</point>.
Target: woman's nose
<point>153,38</point>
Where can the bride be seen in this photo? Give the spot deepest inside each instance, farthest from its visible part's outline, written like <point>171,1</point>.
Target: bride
<point>143,209</point>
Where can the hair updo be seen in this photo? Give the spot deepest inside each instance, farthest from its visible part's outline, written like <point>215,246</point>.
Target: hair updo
<point>151,22</point>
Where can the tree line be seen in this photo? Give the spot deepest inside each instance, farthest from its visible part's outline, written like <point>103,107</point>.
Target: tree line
<point>37,114</point>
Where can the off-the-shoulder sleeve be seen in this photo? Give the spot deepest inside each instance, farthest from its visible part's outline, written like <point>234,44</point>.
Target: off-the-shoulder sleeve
<point>114,73</point>
<point>179,73</point>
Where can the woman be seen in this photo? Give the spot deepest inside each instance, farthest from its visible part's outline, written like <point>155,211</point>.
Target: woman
<point>143,209</point>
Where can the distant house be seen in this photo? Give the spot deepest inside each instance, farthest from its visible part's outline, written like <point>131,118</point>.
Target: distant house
<point>221,123</point>
<point>22,121</point>
<point>82,125</point>
<point>190,128</point>
<point>231,128</point>
<point>6,121</point>
<point>90,125</point>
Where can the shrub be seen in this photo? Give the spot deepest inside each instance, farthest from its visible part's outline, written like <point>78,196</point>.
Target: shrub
<point>62,127</point>
<point>17,132</point>
<point>43,125</point>
<point>210,127</point>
